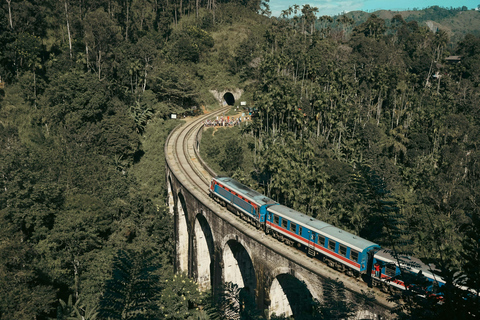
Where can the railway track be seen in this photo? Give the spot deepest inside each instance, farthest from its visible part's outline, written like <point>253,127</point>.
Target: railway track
<point>182,156</point>
<point>182,140</point>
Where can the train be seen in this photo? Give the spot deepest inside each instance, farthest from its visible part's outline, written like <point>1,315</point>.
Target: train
<point>339,249</point>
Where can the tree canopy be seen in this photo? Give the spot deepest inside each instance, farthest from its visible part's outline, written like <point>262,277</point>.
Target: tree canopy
<point>363,124</point>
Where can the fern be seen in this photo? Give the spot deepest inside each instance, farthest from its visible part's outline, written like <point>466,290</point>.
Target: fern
<point>133,284</point>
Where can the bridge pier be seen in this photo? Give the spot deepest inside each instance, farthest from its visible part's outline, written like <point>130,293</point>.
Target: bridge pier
<point>203,250</point>
<point>214,246</point>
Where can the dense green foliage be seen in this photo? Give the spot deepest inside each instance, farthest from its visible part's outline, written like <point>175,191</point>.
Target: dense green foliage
<point>89,86</point>
<point>374,132</point>
<point>360,124</point>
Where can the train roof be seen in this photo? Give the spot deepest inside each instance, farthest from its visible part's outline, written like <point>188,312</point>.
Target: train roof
<point>253,195</point>
<point>323,228</point>
<point>409,263</point>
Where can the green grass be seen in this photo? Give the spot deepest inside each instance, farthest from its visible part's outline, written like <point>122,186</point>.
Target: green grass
<point>150,170</point>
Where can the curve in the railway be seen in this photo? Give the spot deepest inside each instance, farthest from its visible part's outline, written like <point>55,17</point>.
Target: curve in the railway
<point>181,151</point>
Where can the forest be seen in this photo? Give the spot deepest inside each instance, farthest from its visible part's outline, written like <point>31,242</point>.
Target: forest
<point>364,124</point>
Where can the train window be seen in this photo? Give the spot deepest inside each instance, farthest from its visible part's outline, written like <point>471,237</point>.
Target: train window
<point>321,240</point>
<point>342,250</point>
<point>293,227</point>
<point>390,270</point>
<point>276,220</point>
<point>300,230</point>
<point>284,223</point>
<point>331,244</point>
<point>269,217</point>
<point>353,255</point>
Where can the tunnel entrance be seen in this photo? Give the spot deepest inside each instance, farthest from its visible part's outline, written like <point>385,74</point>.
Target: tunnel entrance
<point>229,98</point>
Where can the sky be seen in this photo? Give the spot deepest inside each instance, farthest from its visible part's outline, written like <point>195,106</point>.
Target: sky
<point>334,7</point>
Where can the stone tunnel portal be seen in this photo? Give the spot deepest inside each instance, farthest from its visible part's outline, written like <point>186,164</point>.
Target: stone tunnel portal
<point>229,98</point>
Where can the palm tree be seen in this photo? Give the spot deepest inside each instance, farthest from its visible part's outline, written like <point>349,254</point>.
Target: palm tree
<point>346,22</point>
<point>308,17</point>
<point>324,21</point>
<point>286,13</point>
<point>396,141</point>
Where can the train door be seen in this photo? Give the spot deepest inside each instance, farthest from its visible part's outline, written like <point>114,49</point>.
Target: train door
<point>256,216</point>
<point>269,219</point>
<point>311,243</point>
<point>368,274</point>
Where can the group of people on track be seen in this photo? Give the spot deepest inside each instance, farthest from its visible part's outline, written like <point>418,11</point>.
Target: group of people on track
<point>224,121</point>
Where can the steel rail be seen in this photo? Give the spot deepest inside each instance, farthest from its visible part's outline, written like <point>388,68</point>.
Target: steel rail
<point>183,140</point>
<point>193,173</point>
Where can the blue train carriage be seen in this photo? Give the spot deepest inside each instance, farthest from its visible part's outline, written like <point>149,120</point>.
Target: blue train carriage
<point>338,248</point>
<point>419,277</point>
<point>240,199</point>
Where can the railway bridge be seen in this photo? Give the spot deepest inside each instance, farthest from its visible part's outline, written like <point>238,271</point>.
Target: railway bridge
<point>214,247</point>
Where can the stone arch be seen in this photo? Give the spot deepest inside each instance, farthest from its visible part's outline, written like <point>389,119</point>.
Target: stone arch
<point>229,98</point>
<point>220,95</point>
<point>237,264</point>
<point>182,235</point>
<point>290,294</point>
<point>204,252</point>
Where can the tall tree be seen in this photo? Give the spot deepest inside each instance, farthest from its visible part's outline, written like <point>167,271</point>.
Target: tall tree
<point>10,20</point>
<point>101,34</point>
<point>67,20</point>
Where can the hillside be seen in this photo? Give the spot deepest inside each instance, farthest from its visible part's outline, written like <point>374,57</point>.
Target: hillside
<point>456,22</point>
<point>360,124</point>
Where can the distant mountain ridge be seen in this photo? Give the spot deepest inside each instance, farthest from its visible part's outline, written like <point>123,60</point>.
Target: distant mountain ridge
<point>457,22</point>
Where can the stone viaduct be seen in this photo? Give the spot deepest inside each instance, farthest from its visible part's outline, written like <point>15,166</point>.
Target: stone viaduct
<point>213,246</point>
